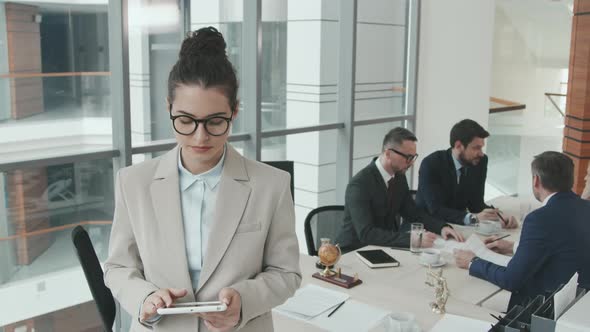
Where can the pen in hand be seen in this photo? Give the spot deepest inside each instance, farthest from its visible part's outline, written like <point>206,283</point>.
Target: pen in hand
<point>500,238</point>
<point>500,216</point>
<point>337,307</point>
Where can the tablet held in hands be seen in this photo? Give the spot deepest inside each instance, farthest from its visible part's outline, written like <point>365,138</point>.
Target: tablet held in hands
<point>193,308</point>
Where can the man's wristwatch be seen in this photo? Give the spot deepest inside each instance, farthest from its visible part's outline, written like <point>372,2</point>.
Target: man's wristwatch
<point>473,218</point>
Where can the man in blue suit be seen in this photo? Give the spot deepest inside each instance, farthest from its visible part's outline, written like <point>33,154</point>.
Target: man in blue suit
<point>555,239</point>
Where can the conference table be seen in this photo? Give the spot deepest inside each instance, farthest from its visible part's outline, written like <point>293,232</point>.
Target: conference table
<point>403,288</point>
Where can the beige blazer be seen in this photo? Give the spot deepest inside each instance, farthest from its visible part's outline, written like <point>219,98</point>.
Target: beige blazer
<point>252,243</point>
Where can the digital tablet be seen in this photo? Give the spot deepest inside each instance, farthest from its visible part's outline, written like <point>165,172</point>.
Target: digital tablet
<point>192,308</point>
<point>376,258</point>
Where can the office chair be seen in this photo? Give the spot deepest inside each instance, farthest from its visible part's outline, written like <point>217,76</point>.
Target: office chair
<point>322,222</point>
<point>287,166</point>
<point>105,303</point>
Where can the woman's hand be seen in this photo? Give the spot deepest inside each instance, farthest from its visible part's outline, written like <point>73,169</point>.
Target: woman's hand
<point>228,319</point>
<point>161,298</point>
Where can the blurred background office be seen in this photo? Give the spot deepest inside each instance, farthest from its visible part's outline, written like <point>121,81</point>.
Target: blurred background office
<point>83,86</point>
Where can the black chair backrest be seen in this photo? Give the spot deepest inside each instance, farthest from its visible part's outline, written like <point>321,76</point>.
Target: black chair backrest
<point>94,276</point>
<point>322,222</point>
<point>287,166</point>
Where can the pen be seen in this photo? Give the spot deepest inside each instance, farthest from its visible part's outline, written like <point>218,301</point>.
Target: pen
<point>337,307</point>
<point>499,318</point>
<point>499,215</point>
<point>500,238</point>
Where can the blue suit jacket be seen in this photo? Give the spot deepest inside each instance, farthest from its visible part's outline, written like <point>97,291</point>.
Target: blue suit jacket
<point>554,244</point>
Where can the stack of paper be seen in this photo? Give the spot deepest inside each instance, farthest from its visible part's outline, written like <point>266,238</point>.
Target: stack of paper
<point>576,318</point>
<point>313,304</point>
<point>311,301</point>
<point>452,323</point>
<point>353,316</point>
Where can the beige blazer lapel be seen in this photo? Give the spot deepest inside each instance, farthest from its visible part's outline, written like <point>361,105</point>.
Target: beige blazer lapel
<point>232,199</point>
<point>166,202</point>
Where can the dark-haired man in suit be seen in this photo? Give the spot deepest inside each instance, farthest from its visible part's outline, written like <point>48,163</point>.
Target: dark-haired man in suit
<point>378,195</point>
<point>452,182</point>
<point>554,239</point>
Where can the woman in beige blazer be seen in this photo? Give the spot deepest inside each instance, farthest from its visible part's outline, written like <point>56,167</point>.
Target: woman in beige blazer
<point>231,237</point>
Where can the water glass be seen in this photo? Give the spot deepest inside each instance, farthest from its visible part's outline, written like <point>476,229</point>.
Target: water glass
<point>417,231</point>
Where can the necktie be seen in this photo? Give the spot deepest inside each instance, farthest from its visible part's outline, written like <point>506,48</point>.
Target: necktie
<point>463,173</point>
<point>390,188</point>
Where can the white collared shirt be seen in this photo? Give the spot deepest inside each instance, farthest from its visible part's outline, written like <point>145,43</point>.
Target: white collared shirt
<point>547,199</point>
<point>198,195</point>
<point>386,176</point>
<point>458,166</point>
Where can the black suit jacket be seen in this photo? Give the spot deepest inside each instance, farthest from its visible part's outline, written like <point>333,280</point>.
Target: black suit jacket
<point>439,193</point>
<point>370,220</point>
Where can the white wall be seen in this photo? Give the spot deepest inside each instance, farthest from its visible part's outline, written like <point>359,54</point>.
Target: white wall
<point>454,69</point>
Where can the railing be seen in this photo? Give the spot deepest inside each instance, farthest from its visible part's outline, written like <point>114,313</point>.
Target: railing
<point>556,106</point>
<point>498,105</point>
<point>55,229</point>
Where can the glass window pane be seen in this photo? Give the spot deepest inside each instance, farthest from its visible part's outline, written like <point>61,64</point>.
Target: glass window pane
<point>314,157</point>
<point>54,80</point>
<point>155,35</point>
<point>368,141</point>
<point>380,58</point>
<point>39,207</point>
<point>299,71</point>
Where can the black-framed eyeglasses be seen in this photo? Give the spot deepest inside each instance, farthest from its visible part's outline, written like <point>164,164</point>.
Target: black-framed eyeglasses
<point>187,125</point>
<point>409,157</point>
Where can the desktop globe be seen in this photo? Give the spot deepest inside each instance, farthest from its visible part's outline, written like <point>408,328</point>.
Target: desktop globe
<point>329,255</point>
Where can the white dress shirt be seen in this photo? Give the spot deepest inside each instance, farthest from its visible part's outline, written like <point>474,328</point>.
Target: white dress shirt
<point>198,194</point>
<point>386,176</point>
<point>458,166</point>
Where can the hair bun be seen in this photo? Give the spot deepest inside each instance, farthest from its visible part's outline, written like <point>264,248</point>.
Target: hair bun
<point>203,42</point>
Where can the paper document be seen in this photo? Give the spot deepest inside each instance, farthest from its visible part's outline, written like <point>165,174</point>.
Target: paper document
<point>565,296</point>
<point>453,323</point>
<point>448,245</point>
<point>310,301</point>
<point>352,316</point>
<point>480,250</point>
<point>474,244</point>
<point>576,318</point>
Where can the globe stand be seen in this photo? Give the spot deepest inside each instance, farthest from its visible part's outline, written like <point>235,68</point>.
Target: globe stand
<point>321,266</point>
<point>329,255</point>
<point>327,272</point>
<point>338,279</point>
